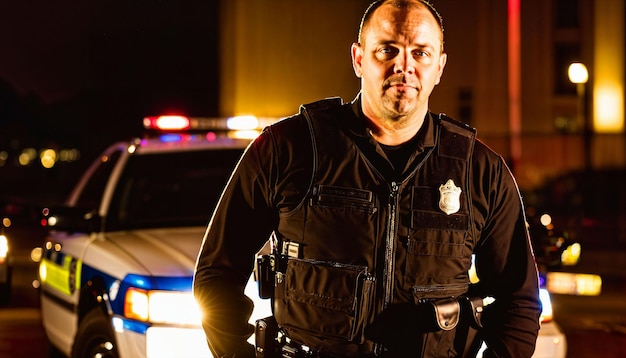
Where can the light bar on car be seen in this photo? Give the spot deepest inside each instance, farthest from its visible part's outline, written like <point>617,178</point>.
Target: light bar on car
<point>176,123</point>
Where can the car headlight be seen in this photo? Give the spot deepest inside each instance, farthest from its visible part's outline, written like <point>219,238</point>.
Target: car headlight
<point>4,248</point>
<point>170,307</point>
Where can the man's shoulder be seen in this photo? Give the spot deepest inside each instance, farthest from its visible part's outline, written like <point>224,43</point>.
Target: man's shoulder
<point>455,125</point>
<point>480,150</point>
<point>298,120</point>
<point>323,104</point>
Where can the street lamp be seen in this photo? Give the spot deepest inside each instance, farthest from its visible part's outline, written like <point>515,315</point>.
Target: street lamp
<point>578,75</point>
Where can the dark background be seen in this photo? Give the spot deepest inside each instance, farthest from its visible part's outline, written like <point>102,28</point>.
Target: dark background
<point>77,74</point>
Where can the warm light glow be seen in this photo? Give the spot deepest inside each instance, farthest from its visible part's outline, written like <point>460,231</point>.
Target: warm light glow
<point>27,156</point>
<point>608,66</point>
<point>577,73</point>
<point>4,247</point>
<point>609,107</point>
<point>43,272</point>
<point>248,134</point>
<point>571,255</point>
<point>174,307</point>
<point>574,284</point>
<point>242,122</point>
<point>48,157</point>
<point>69,155</point>
<point>473,275</point>
<point>52,221</point>
<point>36,254</point>
<point>545,219</point>
<point>136,304</point>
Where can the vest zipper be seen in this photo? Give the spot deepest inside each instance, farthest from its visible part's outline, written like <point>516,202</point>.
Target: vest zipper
<point>390,246</point>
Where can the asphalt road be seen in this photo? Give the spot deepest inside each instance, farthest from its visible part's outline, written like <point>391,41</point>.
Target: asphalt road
<point>595,326</point>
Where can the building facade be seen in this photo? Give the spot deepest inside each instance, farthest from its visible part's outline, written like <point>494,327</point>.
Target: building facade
<point>506,73</point>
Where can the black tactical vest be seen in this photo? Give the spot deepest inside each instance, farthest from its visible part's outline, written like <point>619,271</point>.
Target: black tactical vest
<point>358,243</point>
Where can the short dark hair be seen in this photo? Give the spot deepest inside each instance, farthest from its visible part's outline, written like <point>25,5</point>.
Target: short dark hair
<point>401,4</point>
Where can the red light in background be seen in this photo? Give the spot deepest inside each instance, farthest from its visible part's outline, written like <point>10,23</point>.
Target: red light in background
<point>169,122</point>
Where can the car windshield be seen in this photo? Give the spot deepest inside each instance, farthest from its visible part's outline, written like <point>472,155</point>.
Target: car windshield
<point>170,189</point>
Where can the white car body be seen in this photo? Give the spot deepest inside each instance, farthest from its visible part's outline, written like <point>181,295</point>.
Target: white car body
<point>134,281</point>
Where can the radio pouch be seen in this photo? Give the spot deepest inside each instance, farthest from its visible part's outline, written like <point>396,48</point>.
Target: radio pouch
<point>327,300</point>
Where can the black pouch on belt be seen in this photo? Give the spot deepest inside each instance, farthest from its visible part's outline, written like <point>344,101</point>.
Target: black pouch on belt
<point>447,313</point>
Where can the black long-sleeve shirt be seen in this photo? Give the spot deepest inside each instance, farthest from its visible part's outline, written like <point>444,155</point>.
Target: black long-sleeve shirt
<point>337,195</point>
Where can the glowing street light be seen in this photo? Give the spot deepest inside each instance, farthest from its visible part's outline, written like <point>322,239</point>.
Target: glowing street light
<point>578,75</point>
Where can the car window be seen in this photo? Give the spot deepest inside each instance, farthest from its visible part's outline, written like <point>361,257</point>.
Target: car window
<point>91,194</point>
<point>170,189</point>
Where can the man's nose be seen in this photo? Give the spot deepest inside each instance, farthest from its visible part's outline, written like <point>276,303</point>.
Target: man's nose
<point>404,63</point>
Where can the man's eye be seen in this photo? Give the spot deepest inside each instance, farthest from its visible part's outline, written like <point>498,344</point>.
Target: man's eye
<point>387,52</point>
<point>420,54</point>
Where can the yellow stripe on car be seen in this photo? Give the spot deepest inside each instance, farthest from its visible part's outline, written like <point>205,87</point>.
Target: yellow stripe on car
<point>64,277</point>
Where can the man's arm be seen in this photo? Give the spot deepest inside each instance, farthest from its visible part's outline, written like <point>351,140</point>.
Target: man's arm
<point>506,267</point>
<point>242,222</point>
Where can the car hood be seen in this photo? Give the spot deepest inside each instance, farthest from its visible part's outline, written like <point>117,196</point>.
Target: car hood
<point>151,252</point>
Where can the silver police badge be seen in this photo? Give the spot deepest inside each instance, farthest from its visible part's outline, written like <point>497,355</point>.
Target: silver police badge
<point>450,197</point>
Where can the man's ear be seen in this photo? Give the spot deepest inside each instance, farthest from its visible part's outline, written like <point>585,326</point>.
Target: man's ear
<point>357,56</point>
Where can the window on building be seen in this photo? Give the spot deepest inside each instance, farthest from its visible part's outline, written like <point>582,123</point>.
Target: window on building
<point>566,13</point>
<point>564,55</point>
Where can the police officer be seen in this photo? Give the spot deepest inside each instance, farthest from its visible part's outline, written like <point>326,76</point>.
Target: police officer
<point>375,208</point>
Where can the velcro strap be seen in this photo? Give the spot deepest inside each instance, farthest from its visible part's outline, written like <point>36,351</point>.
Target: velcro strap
<point>476,306</point>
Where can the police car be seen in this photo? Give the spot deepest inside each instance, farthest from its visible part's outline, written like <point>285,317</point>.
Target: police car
<point>118,259</point>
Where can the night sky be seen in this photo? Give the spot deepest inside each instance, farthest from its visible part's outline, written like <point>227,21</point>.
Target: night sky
<point>83,74</point>
<point>87,61</point>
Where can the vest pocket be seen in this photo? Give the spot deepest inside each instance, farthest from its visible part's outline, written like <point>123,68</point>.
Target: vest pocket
<point>325,299</point>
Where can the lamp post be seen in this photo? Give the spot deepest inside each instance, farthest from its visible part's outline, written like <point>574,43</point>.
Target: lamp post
<point>578,75</point>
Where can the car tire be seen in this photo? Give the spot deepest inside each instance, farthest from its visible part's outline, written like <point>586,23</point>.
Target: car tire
<point>95,337</point>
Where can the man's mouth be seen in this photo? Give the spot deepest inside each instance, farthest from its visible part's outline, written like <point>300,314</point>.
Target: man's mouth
<point>401,86</point>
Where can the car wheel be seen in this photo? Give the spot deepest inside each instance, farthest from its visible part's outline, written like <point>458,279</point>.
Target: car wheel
<point>95,338</point>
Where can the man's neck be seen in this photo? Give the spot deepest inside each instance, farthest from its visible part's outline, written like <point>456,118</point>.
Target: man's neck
<point>397,132</point>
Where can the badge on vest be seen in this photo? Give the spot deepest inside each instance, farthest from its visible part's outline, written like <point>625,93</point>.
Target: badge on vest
<point>449,197</point>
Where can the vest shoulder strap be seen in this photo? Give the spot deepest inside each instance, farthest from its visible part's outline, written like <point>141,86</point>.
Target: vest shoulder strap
<point>321,105</point>
<point>456,138</point>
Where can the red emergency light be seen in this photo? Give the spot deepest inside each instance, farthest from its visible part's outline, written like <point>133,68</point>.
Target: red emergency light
<point>167,123</point>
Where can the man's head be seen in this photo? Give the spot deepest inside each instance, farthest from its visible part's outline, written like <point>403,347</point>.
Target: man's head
<point>376,4</point>
<point>400,59</point>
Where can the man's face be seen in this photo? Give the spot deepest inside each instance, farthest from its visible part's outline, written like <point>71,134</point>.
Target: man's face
<point>400,61</point>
